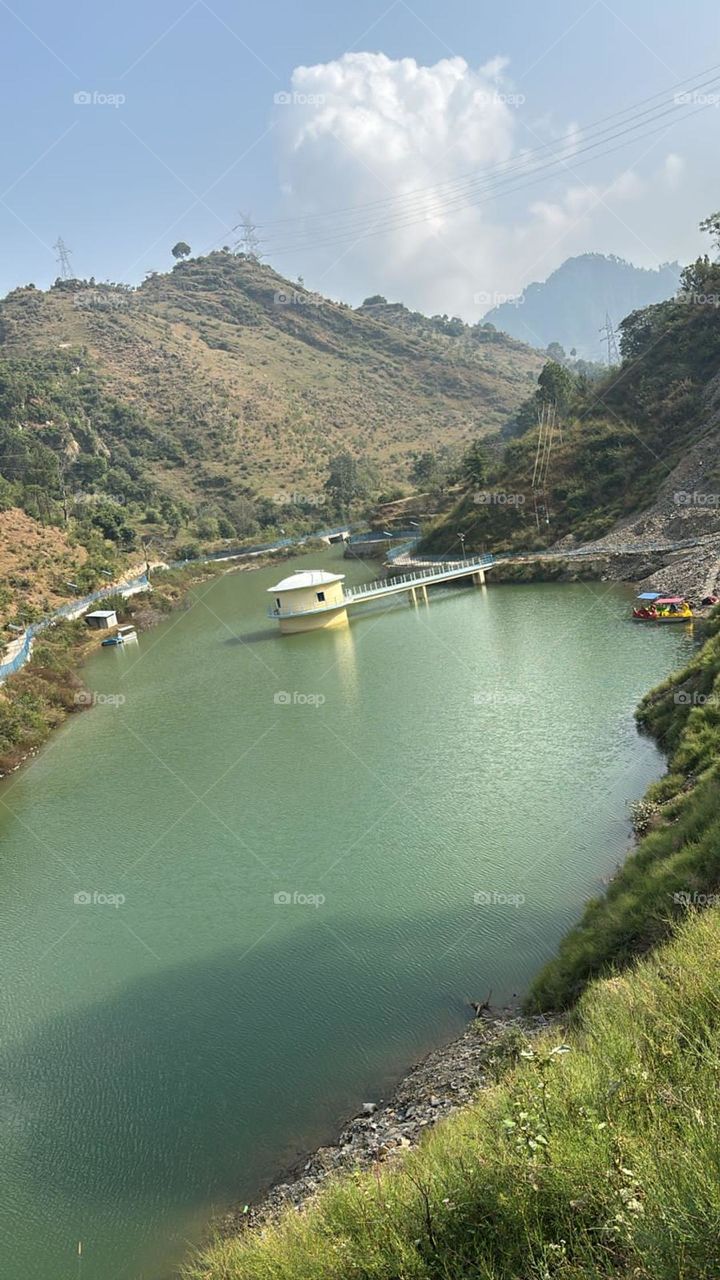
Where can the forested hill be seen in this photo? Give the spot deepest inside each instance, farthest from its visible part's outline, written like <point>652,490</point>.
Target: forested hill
<point>571,305</point>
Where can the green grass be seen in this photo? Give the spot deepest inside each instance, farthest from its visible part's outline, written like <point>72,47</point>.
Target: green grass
<point>597,1155</point>
<point>597,1151</point>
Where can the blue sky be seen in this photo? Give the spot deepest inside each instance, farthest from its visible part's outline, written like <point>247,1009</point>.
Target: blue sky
<point>197,135</point>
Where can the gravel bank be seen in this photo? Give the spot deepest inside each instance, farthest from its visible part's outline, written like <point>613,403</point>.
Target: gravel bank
<point>445,1080</point>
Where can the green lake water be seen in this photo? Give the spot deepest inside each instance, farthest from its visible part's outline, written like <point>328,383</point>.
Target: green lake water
<point>436,790</point>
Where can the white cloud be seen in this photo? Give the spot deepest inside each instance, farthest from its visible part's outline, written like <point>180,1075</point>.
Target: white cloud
<point>366,129</point>
<point>673,170</point>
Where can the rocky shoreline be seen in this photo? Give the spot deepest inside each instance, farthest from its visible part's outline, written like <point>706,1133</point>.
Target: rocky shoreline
<point>443,1081</point>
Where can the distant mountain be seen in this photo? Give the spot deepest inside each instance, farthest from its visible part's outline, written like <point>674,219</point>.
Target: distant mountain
<point>571,305</point>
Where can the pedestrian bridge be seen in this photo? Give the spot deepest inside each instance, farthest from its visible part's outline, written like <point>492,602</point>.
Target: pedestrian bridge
<point>420,579</point>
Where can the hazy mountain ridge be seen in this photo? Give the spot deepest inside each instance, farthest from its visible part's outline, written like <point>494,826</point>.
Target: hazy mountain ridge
<point>570,306</point>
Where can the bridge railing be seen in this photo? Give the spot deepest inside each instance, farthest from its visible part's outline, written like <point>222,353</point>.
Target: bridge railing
<point>444,569</point>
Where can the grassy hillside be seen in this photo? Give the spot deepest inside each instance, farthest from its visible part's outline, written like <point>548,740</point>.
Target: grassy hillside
<point>235,382</point>
<point>597,1151</point>
<point>206,405</point>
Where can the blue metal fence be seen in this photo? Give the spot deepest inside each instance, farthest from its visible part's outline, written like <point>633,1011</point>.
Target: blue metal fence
<point>65,611</point>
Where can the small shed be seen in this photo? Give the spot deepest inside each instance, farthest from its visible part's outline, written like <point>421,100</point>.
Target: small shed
<point>101,619</point>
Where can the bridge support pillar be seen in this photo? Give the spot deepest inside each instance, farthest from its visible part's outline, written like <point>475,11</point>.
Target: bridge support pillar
<point>479,578</point>
<point>425,594</point>
<point>413,597</point>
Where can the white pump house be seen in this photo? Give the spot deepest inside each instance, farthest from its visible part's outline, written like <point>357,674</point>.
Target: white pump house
<point>309,600</point>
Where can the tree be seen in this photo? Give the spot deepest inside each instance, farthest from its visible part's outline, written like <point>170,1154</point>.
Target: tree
<point>712,226</point>
<point>555,386</point>
<point>433,472</point>
<point>180,250</point>
<point>475,464</point>
<point>375,300</point>
<point>242,514</point>
<point>524,419</point>
<point>347,480</point>
<point>556,352</point>
<point>423,469</point>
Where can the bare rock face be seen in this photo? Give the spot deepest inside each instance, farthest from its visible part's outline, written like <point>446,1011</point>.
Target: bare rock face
<point>686,507</point>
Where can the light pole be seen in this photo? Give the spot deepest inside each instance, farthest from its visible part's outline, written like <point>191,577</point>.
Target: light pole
<point>461,540</point>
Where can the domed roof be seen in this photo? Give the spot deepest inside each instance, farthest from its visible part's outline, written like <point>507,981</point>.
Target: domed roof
<point>306,579</point>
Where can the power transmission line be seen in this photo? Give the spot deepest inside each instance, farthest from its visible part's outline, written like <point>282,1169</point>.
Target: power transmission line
<point>494,189</point>
<point>494,181</point>
<point>547,424</point>
<point>249,241</point>
<point>471,177</point>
